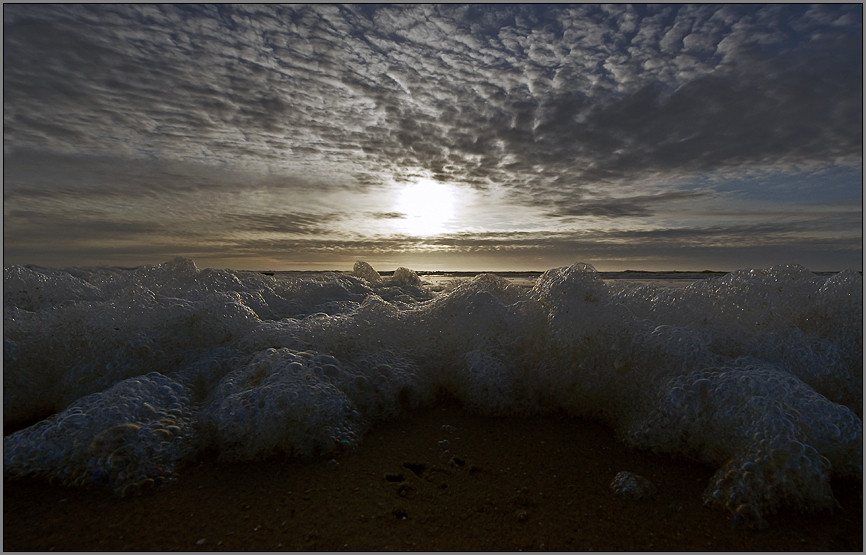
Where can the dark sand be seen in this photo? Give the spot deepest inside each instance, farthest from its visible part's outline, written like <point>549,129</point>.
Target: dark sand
<point>538,483</point>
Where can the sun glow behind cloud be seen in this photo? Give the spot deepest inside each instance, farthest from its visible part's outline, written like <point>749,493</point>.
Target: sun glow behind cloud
<point>427,207</point>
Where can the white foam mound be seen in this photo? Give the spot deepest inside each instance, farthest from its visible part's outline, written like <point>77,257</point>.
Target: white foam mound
<point>777,438</point>
<point>302,403</point>
<point>365,271</point>
<point>281,401</point>
<point>405,276</point>
<point>133,432</point>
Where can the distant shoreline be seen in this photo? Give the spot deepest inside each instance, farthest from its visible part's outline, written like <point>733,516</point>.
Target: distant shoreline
<point>624,274</point>
<point>631,274</point>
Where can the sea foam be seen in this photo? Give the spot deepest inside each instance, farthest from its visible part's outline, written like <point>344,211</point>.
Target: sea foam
<point>133,371</point>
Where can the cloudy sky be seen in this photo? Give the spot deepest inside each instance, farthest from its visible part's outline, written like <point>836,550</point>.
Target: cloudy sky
<point>479,137</point>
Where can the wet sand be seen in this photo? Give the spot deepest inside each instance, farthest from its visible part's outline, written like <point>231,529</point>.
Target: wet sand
<point>537,483</point>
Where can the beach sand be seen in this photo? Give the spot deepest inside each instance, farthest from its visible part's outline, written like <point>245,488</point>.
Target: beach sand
<point>500,483</point>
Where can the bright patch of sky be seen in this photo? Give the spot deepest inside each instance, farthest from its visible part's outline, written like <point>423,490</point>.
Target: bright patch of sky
<point>477,136</point>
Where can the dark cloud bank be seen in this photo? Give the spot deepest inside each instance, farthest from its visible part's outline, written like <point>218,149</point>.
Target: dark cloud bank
<point>136,123</point>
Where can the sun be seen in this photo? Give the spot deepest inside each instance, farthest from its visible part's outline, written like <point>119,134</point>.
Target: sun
<point>427,207</point>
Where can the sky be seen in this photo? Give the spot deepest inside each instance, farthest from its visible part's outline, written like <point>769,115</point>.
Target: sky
<point>449,137</point>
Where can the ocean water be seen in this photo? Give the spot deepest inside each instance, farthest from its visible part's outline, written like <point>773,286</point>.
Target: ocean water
<point>116,376</point>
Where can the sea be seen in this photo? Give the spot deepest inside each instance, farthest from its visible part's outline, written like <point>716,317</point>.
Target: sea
<point>116,377</point>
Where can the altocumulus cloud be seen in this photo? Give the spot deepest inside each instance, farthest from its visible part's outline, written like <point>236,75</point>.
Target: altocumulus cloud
<point>148,119</point>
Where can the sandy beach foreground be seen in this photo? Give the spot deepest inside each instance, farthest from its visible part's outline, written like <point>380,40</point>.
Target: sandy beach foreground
<point>439,479</point>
